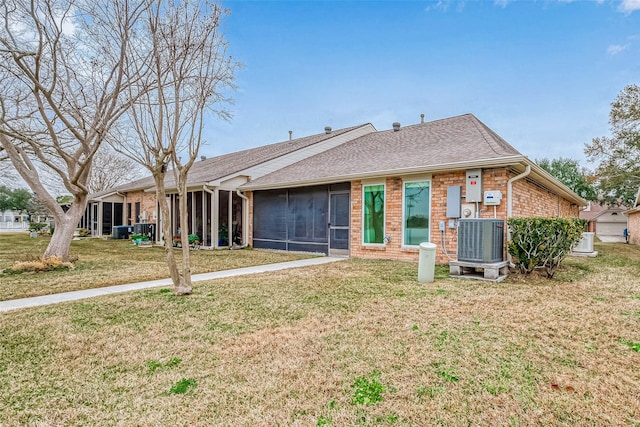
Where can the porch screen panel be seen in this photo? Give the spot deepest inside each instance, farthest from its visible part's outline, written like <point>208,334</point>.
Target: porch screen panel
<point>269,218</point>
<point>307,215</point>
<point>118,211</point>
<point>107,212</point>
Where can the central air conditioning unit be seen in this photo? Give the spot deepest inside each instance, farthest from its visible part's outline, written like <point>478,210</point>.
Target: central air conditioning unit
<point>480,240</point>
<point>585,245</point>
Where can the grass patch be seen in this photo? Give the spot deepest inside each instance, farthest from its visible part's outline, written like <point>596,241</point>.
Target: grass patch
<point>368,390</point>
<point>291,348</point>
<point>99,263</point>
<point>183,386</point>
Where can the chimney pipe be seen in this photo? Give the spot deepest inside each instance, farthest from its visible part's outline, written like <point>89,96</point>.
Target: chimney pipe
<point>396,126</point>
<point>290,135</point>
<point>422,118</point>
<point>327,130</point>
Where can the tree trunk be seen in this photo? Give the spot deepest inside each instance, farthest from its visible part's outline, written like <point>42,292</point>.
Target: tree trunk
<point>186,287</point>
<point>65,225</point>
<point>176,276</point>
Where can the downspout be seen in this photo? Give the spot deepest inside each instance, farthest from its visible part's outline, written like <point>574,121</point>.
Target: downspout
<point>524,174</point>
<point>245,218</point>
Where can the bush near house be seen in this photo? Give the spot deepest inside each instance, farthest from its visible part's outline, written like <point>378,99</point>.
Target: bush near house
<point>543,242</point>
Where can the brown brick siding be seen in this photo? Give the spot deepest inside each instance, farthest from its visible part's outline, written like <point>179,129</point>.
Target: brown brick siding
<point>633,226</point>
<point>147,204</point>
<point>249,195</point>
<point>529,200</point>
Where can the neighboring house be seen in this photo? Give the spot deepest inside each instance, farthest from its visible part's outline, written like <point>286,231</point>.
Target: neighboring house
<point>219,213</point>
<point>12,220</point>
<point>633,221</point>
<point>607,222</point>
<point>383,193</point>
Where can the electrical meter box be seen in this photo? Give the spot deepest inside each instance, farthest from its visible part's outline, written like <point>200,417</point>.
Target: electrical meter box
<point>492,198</point>
<point>474,185</point>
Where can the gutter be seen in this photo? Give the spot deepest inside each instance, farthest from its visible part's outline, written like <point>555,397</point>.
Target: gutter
<point>524,174</point>
<point>506,161</point>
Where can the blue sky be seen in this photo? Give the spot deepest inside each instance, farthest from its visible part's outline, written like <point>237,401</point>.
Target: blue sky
<point>542,74</point>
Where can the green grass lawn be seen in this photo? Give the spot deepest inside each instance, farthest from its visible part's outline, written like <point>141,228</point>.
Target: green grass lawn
<point>358,342</point>
<point>111,262</point>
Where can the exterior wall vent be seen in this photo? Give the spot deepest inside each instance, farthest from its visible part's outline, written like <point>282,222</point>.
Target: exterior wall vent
<point>480,240</point>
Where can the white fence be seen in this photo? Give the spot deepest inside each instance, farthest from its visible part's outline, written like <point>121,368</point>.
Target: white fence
<point>13,226</point>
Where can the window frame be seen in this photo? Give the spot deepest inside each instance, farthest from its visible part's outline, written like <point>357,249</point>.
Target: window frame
<point>384,215</point>
<point>404,219</point>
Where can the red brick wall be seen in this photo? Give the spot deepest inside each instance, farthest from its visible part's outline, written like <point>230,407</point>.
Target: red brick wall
<point>633,226</point>
<point>529,200</point>
<point>249,195</point>
<point>147,204</point>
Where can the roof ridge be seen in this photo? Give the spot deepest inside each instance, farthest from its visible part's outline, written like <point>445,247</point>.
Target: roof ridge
<point>494,137</point>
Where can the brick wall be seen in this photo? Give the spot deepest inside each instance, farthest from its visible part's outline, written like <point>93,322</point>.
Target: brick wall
<point>147,204</point>
<point>249,195</point>
<point>529,200</point>
<point>633,226</point>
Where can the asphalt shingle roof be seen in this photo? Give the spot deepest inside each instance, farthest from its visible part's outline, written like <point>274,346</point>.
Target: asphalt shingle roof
<point>218,167</point>
<point>441,142</point>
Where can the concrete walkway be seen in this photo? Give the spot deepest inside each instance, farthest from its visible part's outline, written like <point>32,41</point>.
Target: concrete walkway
<point>90,293</point>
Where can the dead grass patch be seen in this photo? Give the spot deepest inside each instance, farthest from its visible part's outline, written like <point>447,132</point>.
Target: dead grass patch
<point>285,348</point>
<point>101,263</point>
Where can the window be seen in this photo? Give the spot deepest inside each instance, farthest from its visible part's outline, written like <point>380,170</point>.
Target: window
<point>416,212</point>
<point>373,213</point>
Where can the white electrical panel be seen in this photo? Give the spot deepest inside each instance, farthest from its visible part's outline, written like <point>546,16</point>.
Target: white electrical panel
<point>474,185</point>
<point>492,198</point>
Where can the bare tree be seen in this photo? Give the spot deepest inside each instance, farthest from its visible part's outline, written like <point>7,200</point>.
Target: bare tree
<point>62,66</point>
<point>190,70</point>
<point>7,173</point>
<point>111,169</point>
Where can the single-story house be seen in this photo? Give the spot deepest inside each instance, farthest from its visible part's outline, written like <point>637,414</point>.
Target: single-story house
<point>218,211</point>
<point>607,222</point>
<point>355,192</point>
<point>13,220</point>
<point>633,221</point>
<point>382,194</point>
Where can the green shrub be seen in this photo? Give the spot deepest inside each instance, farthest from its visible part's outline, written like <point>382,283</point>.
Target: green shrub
<point>83,232</point>
<point>37,226</point>
<point>542,242</point>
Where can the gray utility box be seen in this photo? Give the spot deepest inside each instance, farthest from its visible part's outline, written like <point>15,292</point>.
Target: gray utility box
<point>480,240</point>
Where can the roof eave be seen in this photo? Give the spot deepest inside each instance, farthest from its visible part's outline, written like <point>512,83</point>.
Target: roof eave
<point>516,160</point>
<point>447,167</point>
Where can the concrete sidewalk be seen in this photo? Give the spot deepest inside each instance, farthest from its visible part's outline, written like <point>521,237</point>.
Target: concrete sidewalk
<point>90,293</point>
